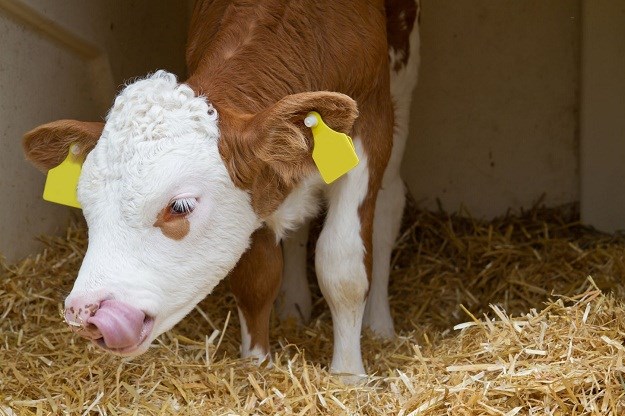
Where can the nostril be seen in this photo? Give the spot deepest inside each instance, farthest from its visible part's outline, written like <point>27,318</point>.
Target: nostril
<point>77,314</point>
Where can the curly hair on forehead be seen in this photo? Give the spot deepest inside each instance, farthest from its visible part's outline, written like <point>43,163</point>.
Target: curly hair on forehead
<point>157,107</point>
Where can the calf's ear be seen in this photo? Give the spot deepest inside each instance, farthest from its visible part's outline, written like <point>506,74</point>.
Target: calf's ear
<point>285,144</point>
<point>47,145</point>
<point>275,145</point>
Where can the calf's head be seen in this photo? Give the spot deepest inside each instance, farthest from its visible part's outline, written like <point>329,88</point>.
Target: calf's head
<point>168,192</point>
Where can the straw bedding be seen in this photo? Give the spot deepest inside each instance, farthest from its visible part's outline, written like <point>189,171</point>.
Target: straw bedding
<point>519,316</point>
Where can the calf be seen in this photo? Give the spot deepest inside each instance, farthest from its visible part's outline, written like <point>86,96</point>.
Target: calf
<point>188,182</point>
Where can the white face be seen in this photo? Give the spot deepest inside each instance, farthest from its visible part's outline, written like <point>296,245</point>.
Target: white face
<point>166,223</point>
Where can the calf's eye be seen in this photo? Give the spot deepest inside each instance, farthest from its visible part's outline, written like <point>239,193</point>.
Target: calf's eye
<point>182,206</point>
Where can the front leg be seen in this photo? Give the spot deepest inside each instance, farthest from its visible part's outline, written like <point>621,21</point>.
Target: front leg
<point>255,282</point>
<point>343,264</point>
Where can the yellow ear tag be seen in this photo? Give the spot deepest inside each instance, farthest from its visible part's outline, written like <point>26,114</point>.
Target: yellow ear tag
<point>62,181</point>
<point>333,152</point>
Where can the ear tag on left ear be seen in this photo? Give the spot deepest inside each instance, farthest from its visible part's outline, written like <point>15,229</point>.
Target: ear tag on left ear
<point>333,152</point>
<point>62,181</point>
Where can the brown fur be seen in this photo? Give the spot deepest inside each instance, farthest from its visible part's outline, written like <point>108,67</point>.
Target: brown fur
<point>174,226</point>
<point>205,22</point>
<point>376,126</point>
<point>401,16</point>
<point>255,282</point>
<point>267,50</point>
<point>47,145</point>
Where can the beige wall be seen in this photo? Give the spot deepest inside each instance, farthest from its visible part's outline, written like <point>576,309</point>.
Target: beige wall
<point>495,115</point>
<point>494,120</point>
<point>602,138</point>
<point>64,59</point>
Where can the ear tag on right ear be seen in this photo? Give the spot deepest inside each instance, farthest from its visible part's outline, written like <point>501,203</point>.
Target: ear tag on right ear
<point>62,181</point>
<point>333,152</point>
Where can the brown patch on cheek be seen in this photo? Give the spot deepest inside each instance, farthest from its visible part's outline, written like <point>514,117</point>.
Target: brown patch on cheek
<point>172,226</point>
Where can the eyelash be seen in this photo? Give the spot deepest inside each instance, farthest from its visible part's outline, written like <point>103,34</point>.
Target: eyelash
<point>183,206</point>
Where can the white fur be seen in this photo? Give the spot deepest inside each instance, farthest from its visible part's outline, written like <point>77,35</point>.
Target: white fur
<point>159,143</point>
<point>300,205</point>
<point>391,197</point>
<point>339,262</point>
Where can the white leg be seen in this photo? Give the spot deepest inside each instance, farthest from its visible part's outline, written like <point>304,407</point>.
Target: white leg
<point>294,298</point>
<point>387,221</point>
<point>388,212</point>
<point>391,197</point>
<point>341,270</point>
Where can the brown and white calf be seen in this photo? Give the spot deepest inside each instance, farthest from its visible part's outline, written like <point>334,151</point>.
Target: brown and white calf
<point>188,182</point>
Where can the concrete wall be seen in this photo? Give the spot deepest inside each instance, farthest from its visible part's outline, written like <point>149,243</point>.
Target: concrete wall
<point>65,60</point>
<point>495,120</point>
<point>602,138</point>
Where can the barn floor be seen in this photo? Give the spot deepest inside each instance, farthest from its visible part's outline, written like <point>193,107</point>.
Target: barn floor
<point>522,315</point>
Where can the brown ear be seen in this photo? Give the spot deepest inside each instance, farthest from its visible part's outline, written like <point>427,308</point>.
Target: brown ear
<point>47,145</point>
<point>270,152</point>
<point>282,140</point>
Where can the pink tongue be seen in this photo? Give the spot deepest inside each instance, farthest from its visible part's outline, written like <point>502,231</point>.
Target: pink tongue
<point>119,323</point>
